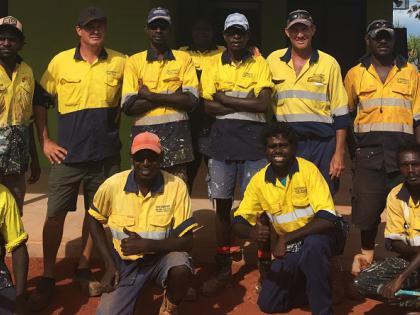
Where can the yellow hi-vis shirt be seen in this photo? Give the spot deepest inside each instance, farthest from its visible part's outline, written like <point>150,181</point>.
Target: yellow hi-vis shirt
<point>386,113</point>
<point>16,96</point>
<point>235,136</point>
<point>203,59</point>
<point>402,217</point>
<point>11,226</point>
<point>391,106</point>
<point>88,97</point>
<point>165,211</point>
<point>290,207</point>
<point>176,71</point>
<point>315,101</point>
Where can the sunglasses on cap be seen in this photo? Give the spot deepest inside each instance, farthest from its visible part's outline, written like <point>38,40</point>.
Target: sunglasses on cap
<point>379,24</point>
<point>299,14</point>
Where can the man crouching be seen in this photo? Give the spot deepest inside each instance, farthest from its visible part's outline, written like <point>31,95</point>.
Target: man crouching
<point>149,214</point>
<point>296,198</point>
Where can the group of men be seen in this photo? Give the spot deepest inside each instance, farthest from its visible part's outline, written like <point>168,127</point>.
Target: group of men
<point>208,102</point>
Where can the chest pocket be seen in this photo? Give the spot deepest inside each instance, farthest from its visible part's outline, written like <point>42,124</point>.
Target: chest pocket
<point>300,197</point>
<point>245,86</point>
<point>3,91</point>
<point>402,90</point>
<point>24,93</point>
<point>171,80</point>
<point>112,85</point>
<point>366,92</point>
<point>69,93</point>
<point>122,220</point>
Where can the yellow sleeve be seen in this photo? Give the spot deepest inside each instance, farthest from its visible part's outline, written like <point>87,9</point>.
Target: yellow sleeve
<point>189,78</point>
<point>416,101</point>
<point>250,207</point>
<point>351,93</point>
<point>11,225</point>
<point>337,92</point>
<point>208,83</point>
<point>48,80</point>
<point>101,206</point>
<point>394,227</point>
<point>183,219</point>
<point>263,77</point>
<point>131,79</point>
<point>319,193</point>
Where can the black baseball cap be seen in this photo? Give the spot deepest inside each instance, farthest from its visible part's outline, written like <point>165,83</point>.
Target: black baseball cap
<point>90,14</point>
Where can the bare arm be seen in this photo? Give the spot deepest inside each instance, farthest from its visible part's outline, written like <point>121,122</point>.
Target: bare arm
<point>215,108</point>
<point>316,226</point>
<point>406,251</point>
<point>34,166</point>
<point>394,285</point>
<point>53,152</point>
<point>337,162</point>
<point>250,104</point>
<point>137,107</point>
<point>20,260</point>
<point>135,244</point>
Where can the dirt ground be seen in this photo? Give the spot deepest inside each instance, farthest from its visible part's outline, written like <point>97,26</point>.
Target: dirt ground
<point>239,298</point>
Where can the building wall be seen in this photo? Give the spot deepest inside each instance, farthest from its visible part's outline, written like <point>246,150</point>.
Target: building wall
<point>49,29</point>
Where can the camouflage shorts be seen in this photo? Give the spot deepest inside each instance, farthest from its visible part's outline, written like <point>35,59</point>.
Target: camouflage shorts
<point>14,150</point>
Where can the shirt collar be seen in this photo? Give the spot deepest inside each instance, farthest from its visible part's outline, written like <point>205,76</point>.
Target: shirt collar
<point>152,56</point>
<point>404,194</point>
<point>366,61</point>
<point>131,185</point>
<point>103,55</point>
<point>270,175</point>
<point>226,59</point>
<point>288,55</point>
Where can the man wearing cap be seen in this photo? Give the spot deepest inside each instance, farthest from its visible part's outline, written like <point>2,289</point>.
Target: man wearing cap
<point>17,94</point>
<point>160,87</point>
<point>309,94</point>
<point>384,99</point>
<point>86,82</point>
<point>237,92</point>
<point>149,214</point>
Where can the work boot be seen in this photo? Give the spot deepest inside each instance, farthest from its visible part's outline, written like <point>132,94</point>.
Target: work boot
<point>167,307</point>
<point>222,275</point>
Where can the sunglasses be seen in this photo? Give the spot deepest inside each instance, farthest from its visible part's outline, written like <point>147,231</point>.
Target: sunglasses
<point>155,26</point>
<point>380,24</point>
<point>298,14</point>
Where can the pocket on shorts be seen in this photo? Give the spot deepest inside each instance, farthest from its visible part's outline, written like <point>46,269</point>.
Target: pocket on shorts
<point>369,158</point>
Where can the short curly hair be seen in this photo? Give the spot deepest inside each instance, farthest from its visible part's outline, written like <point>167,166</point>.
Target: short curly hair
<point>280,128</point>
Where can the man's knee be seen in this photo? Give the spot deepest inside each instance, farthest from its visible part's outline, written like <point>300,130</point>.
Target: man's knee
<point>179,273</point>
<point>316,246</point>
